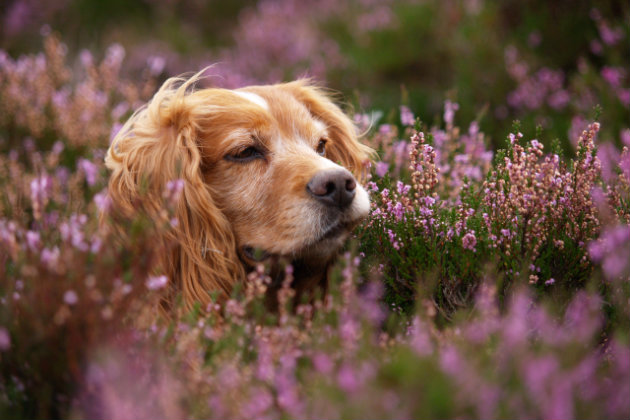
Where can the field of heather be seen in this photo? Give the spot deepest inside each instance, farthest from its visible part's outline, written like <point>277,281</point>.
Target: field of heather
<point>490,280</point>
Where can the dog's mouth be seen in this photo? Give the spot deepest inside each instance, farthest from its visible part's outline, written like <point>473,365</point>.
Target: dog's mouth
<point>333,231</point>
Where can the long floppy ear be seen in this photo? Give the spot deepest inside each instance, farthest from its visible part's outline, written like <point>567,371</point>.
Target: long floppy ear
<point>159,144</point>
<point>345,147</point>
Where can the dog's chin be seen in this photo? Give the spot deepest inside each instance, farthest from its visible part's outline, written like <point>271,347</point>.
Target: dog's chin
<point>327,244</point>
<point>318,250</point>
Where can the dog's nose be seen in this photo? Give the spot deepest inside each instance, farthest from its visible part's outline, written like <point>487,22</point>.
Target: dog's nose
<point>333,187</point>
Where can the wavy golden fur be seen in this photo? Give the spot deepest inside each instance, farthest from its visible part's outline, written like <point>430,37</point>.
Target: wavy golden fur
<point>248,159</point>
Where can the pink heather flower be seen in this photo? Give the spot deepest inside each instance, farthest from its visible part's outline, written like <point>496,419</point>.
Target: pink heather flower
<point>608,156</point>
<point>114,55</point>
<point>258,403</point>
<point>58,147</point>
<point>610,36</point>
<point>115,129</point>
<point>398,211</point>
<point>50,257</point>
<point>386,129</point>
<point>402,189</point>
<point>381,168</point>
<point>625,137</point>
<point>469,241</point>
<point>534,39</point>
<point>613,75</point>
<point>322,363</point>
<point>406,116</point>
<point>449,111</point>
<point>347,379</point>
<point>86,58</point>
<point>372,187</point>
<point>41,188</point>
<point>537,373</point>
<point>33,240</point>
<point>451,362</point>
<point>596,47</point>
<point>559,99</point>
<point>119,110</point>
<point>550,282</point>
<point>156,282</point>
<point>392,239</point>
<point>288,397</point>
<point>173,191</point>
<point>71,231</point>
<point>70,297</point>
<point>234,308</point>
<point>624,96</point>
<point>89,170</point>
<point>5,339</point>
<point>419,338</point>
<point>156,65</point>
<point>102,201</point>
<point>612,250</point>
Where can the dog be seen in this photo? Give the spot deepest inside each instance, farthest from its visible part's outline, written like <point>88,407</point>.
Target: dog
<point>265,171</point>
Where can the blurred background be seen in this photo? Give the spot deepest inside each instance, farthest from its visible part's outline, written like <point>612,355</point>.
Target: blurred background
<point>548,64</point>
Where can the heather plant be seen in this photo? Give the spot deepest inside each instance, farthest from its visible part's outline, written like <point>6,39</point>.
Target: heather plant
<point>530,215</point>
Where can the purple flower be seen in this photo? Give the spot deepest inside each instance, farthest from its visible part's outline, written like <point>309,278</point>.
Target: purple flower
<point>322,363</point>
<point>347,379</point>
<point>102,201</point>
<point>613,75</point>
<point>90,171</point>
<point>392,239</point>
<point>33,240</point>
<point>406,116</point>
<point>173,191</point>
<point>114,55</point>
<point>559,99</point>
<point>610,36</point>
<point>402,189</point>
<point>72,231</point>
<point>449,111</point>
<point>70,297</point>
<point>469,241</point>
<point>419,338</point>
<point>398,211</point>
<point>86,58</point>
<point>381,168</point>
<point>41,188</point>
<point>156,64</point>
<point>156,282</point>
<point>612,250</point>
<point>115,130</point>
<point>50,257</point>
<point>5,339</point>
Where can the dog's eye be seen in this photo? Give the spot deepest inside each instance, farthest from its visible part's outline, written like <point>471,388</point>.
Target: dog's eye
<point>321,147</point>
<point>246,155</point>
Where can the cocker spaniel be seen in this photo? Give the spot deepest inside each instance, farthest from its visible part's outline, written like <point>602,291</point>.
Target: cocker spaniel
<point>265,171</point>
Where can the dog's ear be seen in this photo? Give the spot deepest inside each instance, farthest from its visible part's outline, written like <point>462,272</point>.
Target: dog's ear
<point>159,144</point>
<point>344,147</point>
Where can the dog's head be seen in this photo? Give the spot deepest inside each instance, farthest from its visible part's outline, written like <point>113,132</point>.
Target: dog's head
<point>270,168</point>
